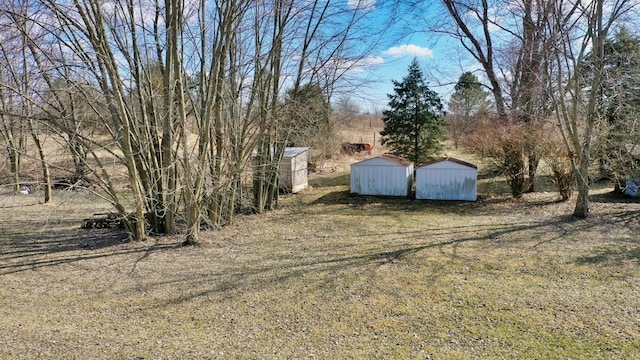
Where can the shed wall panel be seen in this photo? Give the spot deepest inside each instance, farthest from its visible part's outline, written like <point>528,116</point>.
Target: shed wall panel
<point>446,184</point>
<point>380,178</point>
<point>293,170</point>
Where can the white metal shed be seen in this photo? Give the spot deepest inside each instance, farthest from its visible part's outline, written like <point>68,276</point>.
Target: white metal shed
<point>386,175</point>
<point>293,169</point>
<point>447,179</point>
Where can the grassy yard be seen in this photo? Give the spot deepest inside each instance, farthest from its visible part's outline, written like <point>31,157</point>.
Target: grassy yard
<point>329,276</point>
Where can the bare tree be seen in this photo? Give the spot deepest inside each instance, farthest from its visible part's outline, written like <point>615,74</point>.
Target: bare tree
<point>185,92</point>
<point>12,133</point>
<point>581,30</point>
<point>13,128</point>
<point>507,39</point>
<point>321,44</point>
<point>22,88</point>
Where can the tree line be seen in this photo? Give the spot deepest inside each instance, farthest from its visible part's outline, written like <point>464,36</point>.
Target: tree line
<point>560,83</point>
<point>549,67</point>
<point>186,95</point>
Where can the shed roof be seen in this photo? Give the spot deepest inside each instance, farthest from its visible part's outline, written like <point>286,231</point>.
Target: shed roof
<point>290,152</point>
<point>396,159</point>
<point>388,157</point>
<point>454,160</point>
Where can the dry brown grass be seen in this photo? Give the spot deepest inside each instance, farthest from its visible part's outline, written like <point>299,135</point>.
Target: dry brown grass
<point>328,276</point>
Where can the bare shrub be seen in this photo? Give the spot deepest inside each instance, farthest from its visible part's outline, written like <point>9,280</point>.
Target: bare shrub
<point>504,143</point>
<point>554,153</point>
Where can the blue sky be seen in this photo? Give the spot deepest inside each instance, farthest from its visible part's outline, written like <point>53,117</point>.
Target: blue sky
<point>439,59</point>
<point>440,70</point>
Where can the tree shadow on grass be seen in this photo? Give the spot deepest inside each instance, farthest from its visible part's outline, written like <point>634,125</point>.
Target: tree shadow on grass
<point>328,266</point>
<point>609,256</point>
<point>258,276</point>
<point>612,197</point>
<point>39,249</point>
<point>402,203</point>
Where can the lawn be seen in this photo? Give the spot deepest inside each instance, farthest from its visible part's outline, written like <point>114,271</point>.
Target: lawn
<point>329,276</point>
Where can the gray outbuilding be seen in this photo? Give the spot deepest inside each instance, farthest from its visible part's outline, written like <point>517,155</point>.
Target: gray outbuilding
<point>385,175</point>
<point>447,179</point>
<point>294,168</point>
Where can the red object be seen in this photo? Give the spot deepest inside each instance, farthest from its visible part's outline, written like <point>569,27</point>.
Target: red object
<point>352,148</point>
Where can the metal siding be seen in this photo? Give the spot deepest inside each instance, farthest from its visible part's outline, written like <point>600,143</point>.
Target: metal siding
<point>293,169</point>
<point>381,179</point>
<point>299,172</point>
<point>354,181</point>
<point>446,184</point>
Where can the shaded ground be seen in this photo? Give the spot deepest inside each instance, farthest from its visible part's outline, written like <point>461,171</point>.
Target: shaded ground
<point>329,275</point>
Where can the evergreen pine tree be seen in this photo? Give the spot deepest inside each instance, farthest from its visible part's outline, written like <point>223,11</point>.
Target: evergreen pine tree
<point>620,103</point>
<point>467,105</point>
<point>413,124</point>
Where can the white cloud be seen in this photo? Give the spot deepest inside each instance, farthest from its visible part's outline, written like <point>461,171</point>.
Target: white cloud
<point>371,61</point>
<point>362,4</point>
<point>409,49</point>
<point>358,65</point>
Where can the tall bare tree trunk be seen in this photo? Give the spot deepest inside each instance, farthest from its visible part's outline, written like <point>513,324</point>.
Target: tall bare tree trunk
<point>577,112</point>
<point>46,177</point>
<point>170,88</point>
<point>581,172</point>
<point>113,87</point>
<point>27,106</point>
<point>13,152</point>
<point>11,129</point>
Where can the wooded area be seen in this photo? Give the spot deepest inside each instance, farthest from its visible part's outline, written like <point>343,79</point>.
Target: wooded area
<point>555,88</point>
<point>186,95</point>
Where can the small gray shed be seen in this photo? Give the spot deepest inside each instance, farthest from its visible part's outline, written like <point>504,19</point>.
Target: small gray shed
<point>386,175</point>
<point>447,179</point>
<point>293,169</point>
